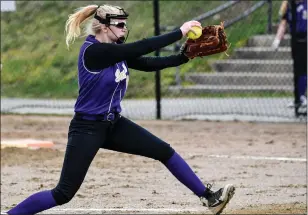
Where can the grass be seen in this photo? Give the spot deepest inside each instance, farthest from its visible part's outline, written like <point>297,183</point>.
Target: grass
<point>36,62</point>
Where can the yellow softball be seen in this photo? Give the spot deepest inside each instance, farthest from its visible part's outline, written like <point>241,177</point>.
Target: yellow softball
<point>193,36</point>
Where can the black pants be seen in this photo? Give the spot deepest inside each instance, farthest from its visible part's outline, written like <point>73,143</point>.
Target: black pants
<point>299,55</point>
<point>86,137</point>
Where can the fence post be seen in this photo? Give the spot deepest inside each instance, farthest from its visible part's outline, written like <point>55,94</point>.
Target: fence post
<point>177,73</point>
<point>270,14</point>
<point>157,73</point>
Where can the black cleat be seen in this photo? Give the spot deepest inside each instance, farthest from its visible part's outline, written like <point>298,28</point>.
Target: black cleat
<point>217,201</point>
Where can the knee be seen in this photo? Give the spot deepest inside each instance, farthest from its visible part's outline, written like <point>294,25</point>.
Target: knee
<point>63,195</point>
<point>166,154</point>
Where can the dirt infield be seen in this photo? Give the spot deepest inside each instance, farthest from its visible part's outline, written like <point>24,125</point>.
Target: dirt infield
<point>265,161</point>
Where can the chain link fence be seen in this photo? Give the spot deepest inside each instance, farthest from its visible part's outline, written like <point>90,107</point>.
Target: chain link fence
<point>253,82</point>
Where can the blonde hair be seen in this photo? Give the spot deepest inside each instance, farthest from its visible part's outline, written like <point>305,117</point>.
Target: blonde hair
<point>283,8</point>
<point>73,24</point>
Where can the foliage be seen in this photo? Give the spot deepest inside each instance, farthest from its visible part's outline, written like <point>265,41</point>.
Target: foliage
<point>36,62</point>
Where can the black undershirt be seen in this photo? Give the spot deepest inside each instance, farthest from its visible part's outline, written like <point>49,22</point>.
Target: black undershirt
<point>102,55</point>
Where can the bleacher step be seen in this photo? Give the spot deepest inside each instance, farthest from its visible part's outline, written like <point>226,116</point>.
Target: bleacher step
<point>217,89</point>
<point>267,40</point>
<point>247,79</point>
<point>263,53</point>
<point>247,65</point>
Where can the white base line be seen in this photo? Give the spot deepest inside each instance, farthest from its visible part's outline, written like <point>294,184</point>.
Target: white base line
<point>260,158</point>
<point>162,210</point>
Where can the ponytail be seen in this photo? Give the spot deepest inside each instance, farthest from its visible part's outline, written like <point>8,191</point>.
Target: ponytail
<point>72,26</point>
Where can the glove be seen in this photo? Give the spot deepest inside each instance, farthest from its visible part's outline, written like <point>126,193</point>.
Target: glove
<point>212,41</point>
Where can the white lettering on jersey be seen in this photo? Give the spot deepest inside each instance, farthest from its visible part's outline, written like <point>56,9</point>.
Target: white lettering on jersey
<point>120,75</point>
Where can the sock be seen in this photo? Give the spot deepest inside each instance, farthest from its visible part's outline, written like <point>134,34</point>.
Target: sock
<point>34,204</point>
<point>302,85</point>
<point>180,169</point>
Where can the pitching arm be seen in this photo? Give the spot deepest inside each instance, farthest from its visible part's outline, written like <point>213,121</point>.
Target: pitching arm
<point>149,64</point>
<point>102,55</point>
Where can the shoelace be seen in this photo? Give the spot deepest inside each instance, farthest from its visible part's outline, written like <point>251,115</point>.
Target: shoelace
<point>208,192</point>
<point>209,186</point>
<point>216,194</point>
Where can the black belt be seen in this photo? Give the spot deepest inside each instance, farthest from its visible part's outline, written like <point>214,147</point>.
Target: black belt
<point>100,117</point>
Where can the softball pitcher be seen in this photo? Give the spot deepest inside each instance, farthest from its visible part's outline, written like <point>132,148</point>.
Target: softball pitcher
<point>103,75</point>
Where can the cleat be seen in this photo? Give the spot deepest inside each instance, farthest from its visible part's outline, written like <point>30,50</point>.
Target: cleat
<point>217,201</point>
<point>302,103</point>
<point>303,100</point>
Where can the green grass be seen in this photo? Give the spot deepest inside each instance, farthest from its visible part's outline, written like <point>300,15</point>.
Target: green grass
<point>36,62</point>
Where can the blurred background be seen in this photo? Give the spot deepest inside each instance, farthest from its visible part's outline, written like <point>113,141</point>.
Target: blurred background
<point>39,74</point>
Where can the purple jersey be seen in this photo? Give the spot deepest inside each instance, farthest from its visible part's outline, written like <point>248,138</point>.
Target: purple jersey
<point>301,16</point>
<point>100,91</point>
